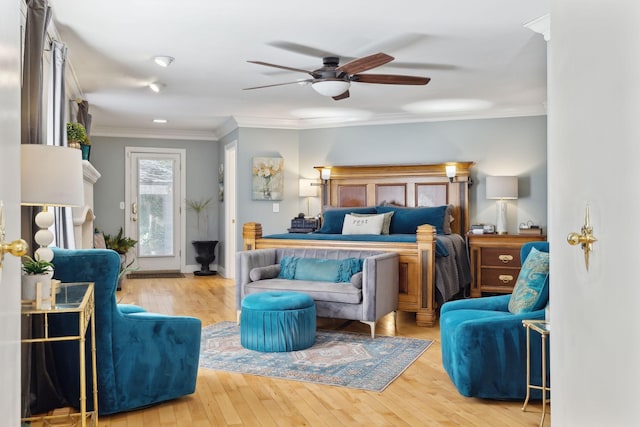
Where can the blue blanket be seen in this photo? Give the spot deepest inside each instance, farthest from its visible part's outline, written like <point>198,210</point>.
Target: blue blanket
<point>441,249</point>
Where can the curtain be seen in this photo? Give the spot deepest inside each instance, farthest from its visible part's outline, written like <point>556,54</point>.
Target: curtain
<point>39,385</point>
<point>63,225</point>
<point>83,117</point>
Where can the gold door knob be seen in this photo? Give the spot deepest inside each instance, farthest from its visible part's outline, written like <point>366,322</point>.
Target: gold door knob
<point>585,238</point>
<point>16,248</point>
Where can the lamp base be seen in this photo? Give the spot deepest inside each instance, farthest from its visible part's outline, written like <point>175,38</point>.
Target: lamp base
<point>501,217</point>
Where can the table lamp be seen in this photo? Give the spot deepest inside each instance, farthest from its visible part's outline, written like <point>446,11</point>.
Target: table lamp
<point>501,188</point>
<point>50,176</point>
<point>308,188</point>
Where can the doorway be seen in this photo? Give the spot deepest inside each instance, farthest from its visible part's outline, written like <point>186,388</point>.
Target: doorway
<point>230,229</point>
<point>154,194</point>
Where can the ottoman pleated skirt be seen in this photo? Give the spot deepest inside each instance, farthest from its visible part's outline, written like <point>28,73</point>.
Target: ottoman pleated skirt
<point>277,321</point>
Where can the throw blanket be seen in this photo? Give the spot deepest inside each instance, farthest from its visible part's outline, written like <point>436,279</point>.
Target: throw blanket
<point>453,272</point>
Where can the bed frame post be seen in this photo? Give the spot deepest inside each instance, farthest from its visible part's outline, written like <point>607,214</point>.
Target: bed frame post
<point>251,231</point>
<point>426,239</point>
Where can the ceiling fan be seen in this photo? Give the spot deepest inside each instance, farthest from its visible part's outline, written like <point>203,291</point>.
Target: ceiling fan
<point>334,80</point>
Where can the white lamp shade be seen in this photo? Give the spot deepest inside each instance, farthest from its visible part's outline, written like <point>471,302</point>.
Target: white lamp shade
<point>502,187</point>
<point>331,87</point>
<point>51,176</point>
<point>451,171</point>
<point>308,188</point>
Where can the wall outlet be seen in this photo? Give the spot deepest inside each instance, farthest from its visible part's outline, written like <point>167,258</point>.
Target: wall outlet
<point>122,205</point>
<point>276,207</point>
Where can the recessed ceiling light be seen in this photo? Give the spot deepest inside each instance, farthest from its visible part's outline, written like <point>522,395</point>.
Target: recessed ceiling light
<point>447,106</point>
<point>159,120</point>
<point>156,87</point>
<point>163,61</point>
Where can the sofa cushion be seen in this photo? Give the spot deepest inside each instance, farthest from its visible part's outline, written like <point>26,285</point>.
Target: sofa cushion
<point>356,280</point>
<point>407,220</point>
<point>333,218</point>
<point>319,269</point>
<point>370,224</point>
<point>531,290</point>
<point>319,291</point>
<point>267,272</point>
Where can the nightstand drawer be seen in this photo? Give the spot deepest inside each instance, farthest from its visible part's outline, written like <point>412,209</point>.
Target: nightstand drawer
<point>500,277</point>
<point>501,257</point>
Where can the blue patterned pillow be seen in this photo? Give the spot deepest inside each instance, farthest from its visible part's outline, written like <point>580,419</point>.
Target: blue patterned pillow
<point>319,269</point>
<point>531,291</point>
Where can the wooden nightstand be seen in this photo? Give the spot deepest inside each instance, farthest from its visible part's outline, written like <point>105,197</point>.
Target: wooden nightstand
<point>495,261</point>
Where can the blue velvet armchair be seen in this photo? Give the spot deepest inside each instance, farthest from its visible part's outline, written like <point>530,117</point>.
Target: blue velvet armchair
<point>484,345</point>
<point>142,358</point>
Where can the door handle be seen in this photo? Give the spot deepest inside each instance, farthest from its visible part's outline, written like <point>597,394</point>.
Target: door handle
<point>134,208</point>
<point>585,238</point>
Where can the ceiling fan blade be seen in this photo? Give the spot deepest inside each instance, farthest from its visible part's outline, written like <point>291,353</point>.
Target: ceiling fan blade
<point>343,95</point>
<point>282,67</point>
<point>390,79</point>
<point>279,84</point>
<point>302,49</point>
<point>365,63</point>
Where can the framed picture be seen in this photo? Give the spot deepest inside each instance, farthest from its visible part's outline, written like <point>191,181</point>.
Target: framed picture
<point>267,178</point>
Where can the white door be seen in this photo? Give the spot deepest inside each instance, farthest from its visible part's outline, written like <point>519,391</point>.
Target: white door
<point>594,147</point>
<point>154,207</point>
<point>10,194</point>
<point>230,229</point>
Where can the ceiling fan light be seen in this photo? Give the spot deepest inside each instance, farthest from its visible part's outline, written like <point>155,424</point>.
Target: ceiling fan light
<point>331,87</point>
<point>163,61</point>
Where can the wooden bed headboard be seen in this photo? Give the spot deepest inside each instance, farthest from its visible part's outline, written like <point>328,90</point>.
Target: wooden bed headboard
<point>402,185</point>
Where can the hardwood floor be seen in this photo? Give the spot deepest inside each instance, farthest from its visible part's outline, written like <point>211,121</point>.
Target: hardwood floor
<point>422,396</point>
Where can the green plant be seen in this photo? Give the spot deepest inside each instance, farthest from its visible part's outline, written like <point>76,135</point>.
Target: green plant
<point>119,243</point>
<point>36,266</point>
<point>77,132</point>
<point>200,206</point>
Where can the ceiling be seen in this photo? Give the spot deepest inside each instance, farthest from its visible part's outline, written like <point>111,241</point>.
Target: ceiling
<point>473,50</point>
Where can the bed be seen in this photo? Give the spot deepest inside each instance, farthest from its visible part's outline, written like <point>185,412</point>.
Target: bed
<point>434,267</point>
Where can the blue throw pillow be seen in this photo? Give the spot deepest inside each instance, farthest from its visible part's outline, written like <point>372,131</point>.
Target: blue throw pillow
<point>319,269</point>
<point>407,220</point>
<point>332,219</point>
<point>531,291</point>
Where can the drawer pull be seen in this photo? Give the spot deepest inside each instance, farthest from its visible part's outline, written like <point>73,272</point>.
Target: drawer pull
<point>505,278</point>
<point>505,258</point>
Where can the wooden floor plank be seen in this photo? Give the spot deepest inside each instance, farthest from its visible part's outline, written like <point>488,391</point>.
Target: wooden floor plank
<point>422,396</point>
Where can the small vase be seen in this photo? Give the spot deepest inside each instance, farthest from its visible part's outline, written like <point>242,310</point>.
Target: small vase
<point>86,151</point>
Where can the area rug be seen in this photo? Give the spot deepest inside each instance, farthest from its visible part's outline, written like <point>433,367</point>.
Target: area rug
<point>343,359</point>
<point>155,275</point>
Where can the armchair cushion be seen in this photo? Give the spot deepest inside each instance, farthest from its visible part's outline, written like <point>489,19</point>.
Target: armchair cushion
<point>531,290</point>
<point>267,272</point>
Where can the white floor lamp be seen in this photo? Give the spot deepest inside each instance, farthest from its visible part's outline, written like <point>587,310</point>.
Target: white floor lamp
<point>502,188</point>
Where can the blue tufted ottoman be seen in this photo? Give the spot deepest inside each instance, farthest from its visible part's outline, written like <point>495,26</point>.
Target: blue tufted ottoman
<point>277,321</point>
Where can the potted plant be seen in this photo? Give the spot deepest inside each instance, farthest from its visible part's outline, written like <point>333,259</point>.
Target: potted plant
<point>205,249</point>
<point>76,135</point>
<point>35,271</point>
<point>121,244</point>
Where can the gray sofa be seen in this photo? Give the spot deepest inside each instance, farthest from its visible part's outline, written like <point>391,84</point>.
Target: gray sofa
<point>377,296</point>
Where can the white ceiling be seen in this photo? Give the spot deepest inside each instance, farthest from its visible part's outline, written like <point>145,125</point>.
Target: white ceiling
<point>472,49</point>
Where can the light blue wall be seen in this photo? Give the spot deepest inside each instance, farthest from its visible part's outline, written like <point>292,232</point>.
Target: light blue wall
<point>509,146</point>
<point>108,157</point>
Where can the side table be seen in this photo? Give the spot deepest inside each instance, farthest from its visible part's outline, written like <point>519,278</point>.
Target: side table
<point>72,298</point>
<point>543,328</point>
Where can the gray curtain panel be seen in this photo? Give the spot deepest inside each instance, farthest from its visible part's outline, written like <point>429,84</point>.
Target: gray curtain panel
<point>39,385</point>
<point>83,117</point>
